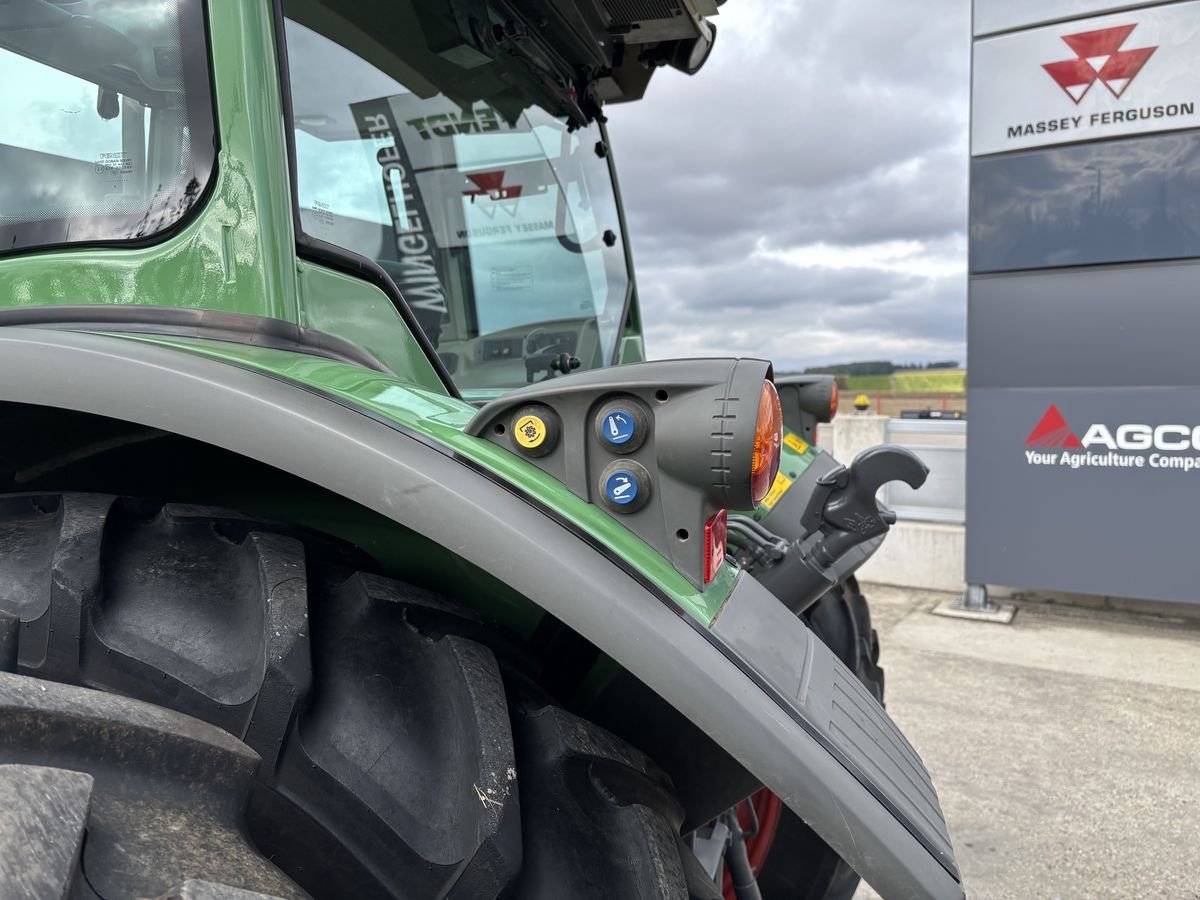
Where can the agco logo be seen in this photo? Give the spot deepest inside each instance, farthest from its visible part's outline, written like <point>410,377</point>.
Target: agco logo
<point>1098,57</point>
<point>1052,431</point>
<point>1053,442</point>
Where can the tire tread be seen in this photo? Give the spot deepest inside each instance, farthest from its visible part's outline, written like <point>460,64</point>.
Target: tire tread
<point>371,745</point>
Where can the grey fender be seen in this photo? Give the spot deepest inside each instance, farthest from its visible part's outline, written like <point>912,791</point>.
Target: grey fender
<point>758,683</point>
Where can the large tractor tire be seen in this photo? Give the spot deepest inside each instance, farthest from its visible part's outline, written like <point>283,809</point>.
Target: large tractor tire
<point>195,704</point>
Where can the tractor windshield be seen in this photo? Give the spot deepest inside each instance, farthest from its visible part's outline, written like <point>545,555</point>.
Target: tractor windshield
<point>497,221</point>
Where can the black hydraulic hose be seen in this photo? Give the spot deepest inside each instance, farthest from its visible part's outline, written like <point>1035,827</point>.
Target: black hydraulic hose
<point>746,541</point>
<point>760,530</point>
<point>766,548</point>
<point>745,885</point>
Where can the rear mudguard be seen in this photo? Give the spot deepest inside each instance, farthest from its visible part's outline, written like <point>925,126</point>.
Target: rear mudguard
<point>756,681</point>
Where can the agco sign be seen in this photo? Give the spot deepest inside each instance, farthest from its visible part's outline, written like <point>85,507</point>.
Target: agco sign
<point>1127,73</point>
<point>1053,442</point>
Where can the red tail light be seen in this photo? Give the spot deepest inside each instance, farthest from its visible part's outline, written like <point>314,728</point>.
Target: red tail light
<point>716,531</point>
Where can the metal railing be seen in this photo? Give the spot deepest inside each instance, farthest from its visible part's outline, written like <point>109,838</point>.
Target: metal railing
<point>942,445</point>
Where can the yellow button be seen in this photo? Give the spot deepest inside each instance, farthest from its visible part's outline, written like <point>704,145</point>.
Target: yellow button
<point>530,432</point>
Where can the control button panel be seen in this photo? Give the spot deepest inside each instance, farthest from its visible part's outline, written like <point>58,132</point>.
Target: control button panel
<point>662,447</point>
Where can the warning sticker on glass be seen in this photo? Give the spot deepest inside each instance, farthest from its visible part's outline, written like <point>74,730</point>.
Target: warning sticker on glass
<point>512,278</point>
<point>778,489</point>
<point>796,443</point>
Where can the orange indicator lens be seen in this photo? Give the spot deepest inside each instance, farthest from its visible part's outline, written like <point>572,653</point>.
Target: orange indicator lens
<point>768,433</point>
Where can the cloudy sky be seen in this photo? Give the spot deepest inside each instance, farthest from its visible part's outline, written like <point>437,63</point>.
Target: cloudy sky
<point>803,198</point>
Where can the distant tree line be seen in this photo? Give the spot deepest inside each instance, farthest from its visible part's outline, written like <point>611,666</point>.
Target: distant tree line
<point>879,367</point>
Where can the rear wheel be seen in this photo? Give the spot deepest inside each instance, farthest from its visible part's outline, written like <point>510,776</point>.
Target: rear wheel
<point>222,706</point>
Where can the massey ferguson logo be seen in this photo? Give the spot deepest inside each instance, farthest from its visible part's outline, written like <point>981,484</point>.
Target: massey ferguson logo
<point>1098,57</point>
<point>1103,57</point>
<point>491,186</point>
<point>1053,442</point>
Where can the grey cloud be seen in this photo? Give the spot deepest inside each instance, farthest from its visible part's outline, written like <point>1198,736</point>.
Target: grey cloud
<point>743,285</point>
<point>842,123</point>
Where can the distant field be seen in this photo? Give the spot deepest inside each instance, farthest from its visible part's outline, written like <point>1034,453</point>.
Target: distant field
<point>869,383</point>
<point>943,381</point>
<point>939,381</point>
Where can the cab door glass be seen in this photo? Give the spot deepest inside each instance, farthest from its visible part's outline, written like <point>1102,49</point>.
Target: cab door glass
<point>496,219</point>
<point>106,129</point>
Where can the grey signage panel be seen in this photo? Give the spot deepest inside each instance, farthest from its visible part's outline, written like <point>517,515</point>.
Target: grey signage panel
<point>1083,461</point>
<point>1004,15</point>
<point>1107,326</point>
<point>1045,513</point>
<point>1102,77</point>
<point>1109,201</point>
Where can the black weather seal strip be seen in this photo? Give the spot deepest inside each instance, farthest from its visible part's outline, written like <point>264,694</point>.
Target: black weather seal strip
<point>236,328</point>
<point>331,255</point>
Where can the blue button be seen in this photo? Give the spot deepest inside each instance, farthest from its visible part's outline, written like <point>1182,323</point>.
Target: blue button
<point>621,487</point>
<point>618,427</point>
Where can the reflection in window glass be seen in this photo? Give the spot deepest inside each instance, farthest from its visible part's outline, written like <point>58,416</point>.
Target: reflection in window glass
<point>105,119</point>
<point>1116,201</point>
<point>496,220</point>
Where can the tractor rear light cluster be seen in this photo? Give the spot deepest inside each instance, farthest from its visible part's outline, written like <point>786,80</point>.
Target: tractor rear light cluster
<point>664,447</point>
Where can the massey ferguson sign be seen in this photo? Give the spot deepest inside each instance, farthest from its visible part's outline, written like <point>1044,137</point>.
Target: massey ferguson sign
<point>1053,442</point>
<point>1121,74</point>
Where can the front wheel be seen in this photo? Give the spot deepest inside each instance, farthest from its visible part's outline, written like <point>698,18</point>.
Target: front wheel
<point>197,704</point>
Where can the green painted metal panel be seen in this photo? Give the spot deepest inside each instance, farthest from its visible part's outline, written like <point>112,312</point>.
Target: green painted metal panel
<point>361,313</point>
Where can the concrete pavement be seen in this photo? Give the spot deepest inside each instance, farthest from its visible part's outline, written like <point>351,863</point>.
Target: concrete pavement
<point>1065,747</point>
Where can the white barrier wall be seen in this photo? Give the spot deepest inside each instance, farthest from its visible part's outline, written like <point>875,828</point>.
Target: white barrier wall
<point>925,547</point>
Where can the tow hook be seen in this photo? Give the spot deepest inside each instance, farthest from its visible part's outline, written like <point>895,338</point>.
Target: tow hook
<point>842,514</point>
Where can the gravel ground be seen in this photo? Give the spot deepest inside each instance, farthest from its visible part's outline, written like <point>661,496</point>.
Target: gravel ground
<point>1065,747</point>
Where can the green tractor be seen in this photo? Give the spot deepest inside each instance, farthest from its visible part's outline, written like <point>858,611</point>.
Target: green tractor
<point>348,545</point>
